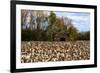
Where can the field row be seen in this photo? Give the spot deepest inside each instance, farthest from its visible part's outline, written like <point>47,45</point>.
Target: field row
<point>35,51</point>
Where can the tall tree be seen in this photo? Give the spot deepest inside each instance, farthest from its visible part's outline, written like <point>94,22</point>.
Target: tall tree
<point>51,23</point>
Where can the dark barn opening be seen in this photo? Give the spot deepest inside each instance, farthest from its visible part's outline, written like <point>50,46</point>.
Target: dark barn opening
<point>62,39</point>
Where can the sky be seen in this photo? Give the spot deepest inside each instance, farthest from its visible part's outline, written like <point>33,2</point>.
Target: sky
<point>80,20</point>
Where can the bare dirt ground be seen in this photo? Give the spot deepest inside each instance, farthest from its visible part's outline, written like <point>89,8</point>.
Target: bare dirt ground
<point>38,51</point>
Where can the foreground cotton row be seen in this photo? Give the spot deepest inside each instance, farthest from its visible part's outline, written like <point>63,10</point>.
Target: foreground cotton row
<point>36,51</point>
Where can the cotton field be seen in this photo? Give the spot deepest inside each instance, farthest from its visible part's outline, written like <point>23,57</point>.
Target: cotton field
<point>40,51</point>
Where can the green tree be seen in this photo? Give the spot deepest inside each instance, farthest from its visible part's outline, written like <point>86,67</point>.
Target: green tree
<point>84,35</point>
<point>51,27</point>
<point>72,33</point>
<point>52,18</point>
<point>56,25</point>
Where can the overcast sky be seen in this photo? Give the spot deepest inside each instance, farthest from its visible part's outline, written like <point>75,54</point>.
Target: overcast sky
<point>81,20</point>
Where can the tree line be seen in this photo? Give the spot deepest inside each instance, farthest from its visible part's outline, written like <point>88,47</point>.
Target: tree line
<point>38,26</point>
